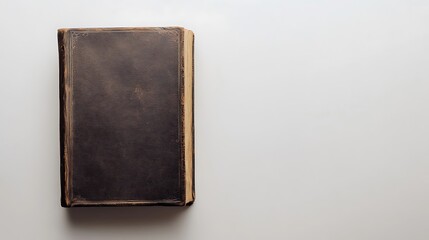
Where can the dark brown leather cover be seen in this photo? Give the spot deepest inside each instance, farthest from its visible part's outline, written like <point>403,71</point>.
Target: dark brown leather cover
<point>121,116</point>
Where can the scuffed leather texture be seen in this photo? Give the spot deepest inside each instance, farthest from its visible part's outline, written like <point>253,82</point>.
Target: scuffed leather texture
<point>126,115</point>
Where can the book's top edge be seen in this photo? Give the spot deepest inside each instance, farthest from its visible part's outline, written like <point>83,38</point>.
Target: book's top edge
<point>122,29</point>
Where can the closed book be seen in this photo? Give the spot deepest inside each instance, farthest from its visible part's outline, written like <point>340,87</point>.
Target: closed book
<point>126,116</point>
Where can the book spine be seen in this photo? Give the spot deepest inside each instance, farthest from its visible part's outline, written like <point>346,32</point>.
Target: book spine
<point>62,48</point>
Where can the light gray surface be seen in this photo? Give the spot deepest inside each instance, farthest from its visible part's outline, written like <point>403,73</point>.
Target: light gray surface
<point>312,121</point>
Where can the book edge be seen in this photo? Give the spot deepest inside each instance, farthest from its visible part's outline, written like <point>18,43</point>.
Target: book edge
<point>124,203</point>
<point>188,121</point>
<point>122,29</point>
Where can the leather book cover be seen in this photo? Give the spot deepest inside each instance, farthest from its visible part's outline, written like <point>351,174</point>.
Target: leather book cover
<point>126,116</point>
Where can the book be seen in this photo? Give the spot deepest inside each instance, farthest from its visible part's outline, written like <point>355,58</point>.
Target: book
<point>126,116</point>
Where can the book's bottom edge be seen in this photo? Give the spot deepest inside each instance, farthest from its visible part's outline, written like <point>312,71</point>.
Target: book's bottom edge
<point>124,203</point>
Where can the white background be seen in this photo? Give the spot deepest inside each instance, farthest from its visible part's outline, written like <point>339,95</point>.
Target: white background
<point>312,121</point>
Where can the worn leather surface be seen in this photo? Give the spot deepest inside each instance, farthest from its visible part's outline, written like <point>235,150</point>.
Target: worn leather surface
<point>126,115</point>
